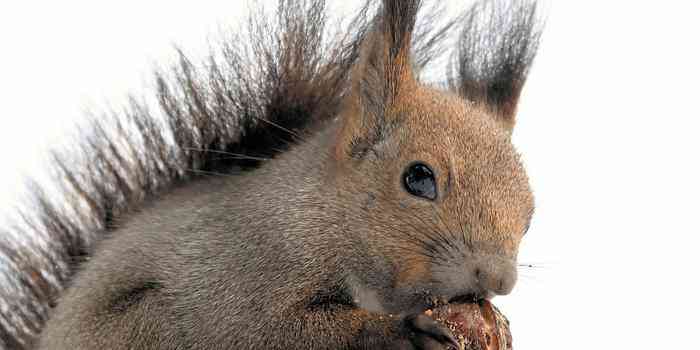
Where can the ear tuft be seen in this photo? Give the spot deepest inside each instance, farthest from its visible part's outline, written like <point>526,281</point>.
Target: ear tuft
<point>383,71</point>
<point>496,49</point>
<point>385,65</point>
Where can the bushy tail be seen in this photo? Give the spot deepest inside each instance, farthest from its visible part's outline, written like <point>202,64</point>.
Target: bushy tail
<point>275,78</point>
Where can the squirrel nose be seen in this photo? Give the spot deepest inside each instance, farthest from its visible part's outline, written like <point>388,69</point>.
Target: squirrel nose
<point>479,277</point>
<point>497,279</point>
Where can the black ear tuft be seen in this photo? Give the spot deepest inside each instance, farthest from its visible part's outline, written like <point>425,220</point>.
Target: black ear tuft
<point>386,63</point>
<point>383,71</point>
<point>496,49</point>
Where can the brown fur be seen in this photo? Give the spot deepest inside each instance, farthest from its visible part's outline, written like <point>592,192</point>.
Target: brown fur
<point>320,247</point>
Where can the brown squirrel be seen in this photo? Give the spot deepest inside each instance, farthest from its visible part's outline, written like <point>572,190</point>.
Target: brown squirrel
<point>338,195</point>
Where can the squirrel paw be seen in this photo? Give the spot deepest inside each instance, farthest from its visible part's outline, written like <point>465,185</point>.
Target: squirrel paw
<point>423,333</point>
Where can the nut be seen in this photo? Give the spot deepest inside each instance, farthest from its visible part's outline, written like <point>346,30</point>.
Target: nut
<point>477,326</point>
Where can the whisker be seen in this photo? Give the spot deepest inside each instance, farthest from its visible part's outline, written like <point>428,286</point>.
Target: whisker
<point>205,172</point>
<point>449,229</point>
<point>433,235</point>
<point>280,127</point>
<point>233,155</point>
<point>441,238</point>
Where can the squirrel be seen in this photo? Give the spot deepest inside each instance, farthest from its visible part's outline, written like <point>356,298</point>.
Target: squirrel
<point>300,191</point>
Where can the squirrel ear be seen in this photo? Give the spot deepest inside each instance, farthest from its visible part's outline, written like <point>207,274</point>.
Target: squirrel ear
<point>495,52</point>
<point>383,72</point>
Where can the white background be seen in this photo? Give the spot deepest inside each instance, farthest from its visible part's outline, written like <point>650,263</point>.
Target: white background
<point>608,128</point>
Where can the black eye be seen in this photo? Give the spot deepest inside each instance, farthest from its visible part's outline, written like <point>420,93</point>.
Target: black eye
<point>418,179</point>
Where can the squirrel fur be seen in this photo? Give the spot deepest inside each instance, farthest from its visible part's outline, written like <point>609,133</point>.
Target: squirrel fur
<point>270,206</point>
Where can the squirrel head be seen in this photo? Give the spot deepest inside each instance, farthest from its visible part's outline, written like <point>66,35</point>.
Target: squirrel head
<point>433,190</point>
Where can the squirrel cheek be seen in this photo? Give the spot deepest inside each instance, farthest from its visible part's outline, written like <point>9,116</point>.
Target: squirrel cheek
<point>410,273</point>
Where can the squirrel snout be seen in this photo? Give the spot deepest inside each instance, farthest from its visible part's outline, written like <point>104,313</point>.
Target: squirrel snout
<point>496,278</point>
<point>480,277</point>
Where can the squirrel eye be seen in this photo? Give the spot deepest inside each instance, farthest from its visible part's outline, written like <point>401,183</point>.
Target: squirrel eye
<point>418,180</point>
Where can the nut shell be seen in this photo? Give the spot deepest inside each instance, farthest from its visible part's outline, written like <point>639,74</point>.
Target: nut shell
<point>477,326</point>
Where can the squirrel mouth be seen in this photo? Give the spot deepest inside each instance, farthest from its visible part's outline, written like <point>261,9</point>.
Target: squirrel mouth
<point>432,301</point>
<point>471,298</point>
<point>466,299</point>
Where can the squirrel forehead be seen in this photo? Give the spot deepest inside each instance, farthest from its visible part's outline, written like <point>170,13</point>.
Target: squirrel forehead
<point>441,122</point>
